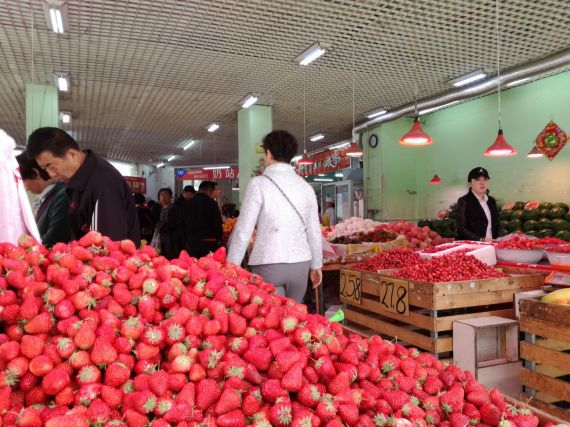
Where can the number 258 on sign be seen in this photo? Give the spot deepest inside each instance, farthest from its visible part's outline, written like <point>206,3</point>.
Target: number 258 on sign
<point>351,286</point>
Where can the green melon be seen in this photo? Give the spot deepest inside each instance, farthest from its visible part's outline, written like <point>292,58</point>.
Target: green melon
<point>556,213</point>
<point>531,214</point>
<point>515,224</point>
<point>544,223</point>
<point>503,232</point>
<point>518,214</point>
<point>567,217</point>
<point>531,233</point>
<point>560,224</point>
<point>447,223</point>
<point>505,215</point>
<point>504,224</point>
<point>561,205</point>
<point>546,205</point>
<point>543,212</point>
<point>519,205</point>
<point>530,225</point>
<point>563,235</point>
<point>545,232</point>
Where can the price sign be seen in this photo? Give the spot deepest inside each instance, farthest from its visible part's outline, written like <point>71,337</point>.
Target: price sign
<point>351,286</point>
<point>394,296</point>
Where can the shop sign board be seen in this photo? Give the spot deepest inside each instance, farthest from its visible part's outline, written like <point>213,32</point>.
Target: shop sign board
<point>207,175</point>
<point>325,162</point>
<point>394,296</point>
<point>351,286</point>
<point>136,184</point>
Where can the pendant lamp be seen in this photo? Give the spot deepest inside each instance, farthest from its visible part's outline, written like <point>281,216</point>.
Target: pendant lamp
<point>354,150</point>
<point>534,153</point>
<point>416,136</point>
<point>499,148</point>
<point>305,160</point>
<point>435,180</point>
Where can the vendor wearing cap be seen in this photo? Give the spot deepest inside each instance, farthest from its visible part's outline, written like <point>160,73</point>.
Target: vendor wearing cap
<point>477,214</point>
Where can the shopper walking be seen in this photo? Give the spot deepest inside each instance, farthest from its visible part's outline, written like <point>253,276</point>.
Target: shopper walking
<point>477,213</point>
<point>283,207</point>
<point>165,216</point>
<point>145,221</point>
<point>51,205</point>
<point>100,197</point>
<point>203,220</point>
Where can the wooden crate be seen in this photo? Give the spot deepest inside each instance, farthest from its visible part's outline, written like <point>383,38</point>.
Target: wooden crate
<point>546,353</point>
<point>422,314</point>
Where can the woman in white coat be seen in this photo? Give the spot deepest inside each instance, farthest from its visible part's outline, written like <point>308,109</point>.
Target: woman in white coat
<point>288,242</point>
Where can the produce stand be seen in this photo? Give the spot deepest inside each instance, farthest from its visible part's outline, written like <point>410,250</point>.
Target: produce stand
<point>545,351</point>
<point>422,314</point>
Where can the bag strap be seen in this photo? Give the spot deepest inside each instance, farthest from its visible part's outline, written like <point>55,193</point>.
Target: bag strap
<point>288,200</point>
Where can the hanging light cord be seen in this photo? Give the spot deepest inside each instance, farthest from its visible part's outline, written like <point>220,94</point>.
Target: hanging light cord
<point>415,62</point>
<point>304,109</point>
<point>498,64</point>
<point>32,34</point>
<point>353,98</point>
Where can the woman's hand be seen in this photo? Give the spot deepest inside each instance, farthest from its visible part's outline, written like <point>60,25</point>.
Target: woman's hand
<point>316,277</point>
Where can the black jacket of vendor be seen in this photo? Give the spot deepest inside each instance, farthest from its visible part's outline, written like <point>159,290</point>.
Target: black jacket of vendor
<point>471,219</point>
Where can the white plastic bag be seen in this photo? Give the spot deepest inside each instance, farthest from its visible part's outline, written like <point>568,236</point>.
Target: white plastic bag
<point>16,217</point>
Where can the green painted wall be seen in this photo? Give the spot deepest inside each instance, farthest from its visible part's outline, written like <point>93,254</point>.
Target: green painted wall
<point>42,107</point>
<point>461,134</point>
<point>253,124</point>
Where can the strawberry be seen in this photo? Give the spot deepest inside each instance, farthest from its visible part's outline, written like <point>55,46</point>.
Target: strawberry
<point>525,418</point>
<point>229,400</point>
<point>179,413</point>
<point>207,393</point>
<point>458,420</point>
<point>103,352</point>
<point>339,383</point>
<point>432,385</point>
<point>349,414</point>
<point>396,399</point>
<point>280,414</point>
<point>478,398</point>
<point>272,389</point>
<point>135,419</point>
<point>55,381</point>
<point>117,374</point>
<point>310,394</point>
<point>258,357</point>
<point>39,324</point>
<point>293,379</point>
<point>252,402</point>
<point>234,418</point>
<point>452,401</point>
<point>68,420</point>
<point>92,238</point>
<point>490,414</point>
<point>29,417</point>
<point>128,247</point>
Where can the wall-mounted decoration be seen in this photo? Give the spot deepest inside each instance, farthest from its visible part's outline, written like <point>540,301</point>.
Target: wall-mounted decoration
<point>551,140</point>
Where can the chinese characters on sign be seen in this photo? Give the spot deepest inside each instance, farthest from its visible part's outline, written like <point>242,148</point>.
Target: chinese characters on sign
<point>325,162</point>
<point>136,184</point>
<point>207,175</point>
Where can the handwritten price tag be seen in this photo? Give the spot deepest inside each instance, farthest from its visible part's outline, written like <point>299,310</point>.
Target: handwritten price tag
<point>394,296</point>
<point>351,286</point>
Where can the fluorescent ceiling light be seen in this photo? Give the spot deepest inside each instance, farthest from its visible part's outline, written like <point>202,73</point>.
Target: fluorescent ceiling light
<point>518,82</point>
<point>322,174</point>
<point>375,113</point>
<point>248,101</point>
<point>65,117</point>
<point>160,165</point>
<point>171,158</point>
<point>296,159</point>
<point>62,82</point>
<point>211,168</point>
<point>323,180</point>
<point>212,127</point>
<point>469,78</point>
<point>235,189</point>
<point>312,53</point>
<point>339,146</point>
<point>56,20</point>
<point>317,137</point>
<point>189,144</point>
<point>339,175</point>
<point>430,110</point>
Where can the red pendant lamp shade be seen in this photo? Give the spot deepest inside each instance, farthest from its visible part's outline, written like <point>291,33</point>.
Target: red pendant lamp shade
<point>354,150</point>
<point>500,148</point>
<point>435,180</point>
<point>416,136</point>
<point>305,160</point>
<point>534,153</point>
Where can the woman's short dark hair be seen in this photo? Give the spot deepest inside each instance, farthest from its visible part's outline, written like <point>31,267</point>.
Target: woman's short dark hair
<point>282,145</point>
<point>165,189</point>
<point>139,198</point>
<point>29,168</point>
<point>207,186</point>
<point>56,141</point>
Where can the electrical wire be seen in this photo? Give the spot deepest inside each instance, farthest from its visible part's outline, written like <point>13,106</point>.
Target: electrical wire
<point>498,63</point>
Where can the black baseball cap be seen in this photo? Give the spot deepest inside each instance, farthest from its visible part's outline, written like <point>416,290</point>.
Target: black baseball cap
<point>477,173</point>
<point>189,189</point>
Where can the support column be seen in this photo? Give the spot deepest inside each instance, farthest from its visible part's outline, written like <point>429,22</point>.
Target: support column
<point>253,124</point>
<point>42,107</point>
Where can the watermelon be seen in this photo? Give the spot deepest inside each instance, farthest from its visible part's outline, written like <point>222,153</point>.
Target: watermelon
<point>560,224</point>
<point>531,214</point>
<point>506,215</point>
<point>533,204</point>
<point>503,232</point>
<point>556,213</point>
<point>517,214</point>
<point>543,212</point>
<point>519,205</point>
<point>515,224</point>
<point>561,205</point>
<point>563,235</point>
<point>567,217</point>
<point>531,233</point>
<point>447,223</point>
<point>504,224</point>
<point>546,205</point>
<point>530,225</point>
<point>508,206</point>
<point>545,232</point>
<point>544,223</point>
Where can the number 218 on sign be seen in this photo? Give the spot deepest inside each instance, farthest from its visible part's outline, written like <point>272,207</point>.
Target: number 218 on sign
<point>394,296</point>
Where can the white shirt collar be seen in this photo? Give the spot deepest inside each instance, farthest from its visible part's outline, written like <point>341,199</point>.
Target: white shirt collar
<point>43,194</point>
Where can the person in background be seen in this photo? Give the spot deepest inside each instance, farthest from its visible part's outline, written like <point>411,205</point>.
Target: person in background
<point>477,213</point>
<point>51,205</point>
<point>203,220</point>
<point>329,217</point>
<point>145,221</point>
<point>164,215</point>
<point>288,244</point>
<point>188,192</point>
<point>100,198</point>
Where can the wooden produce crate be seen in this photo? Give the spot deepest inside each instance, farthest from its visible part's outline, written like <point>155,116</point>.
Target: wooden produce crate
<point>546,354</point>
<point>422,314</point>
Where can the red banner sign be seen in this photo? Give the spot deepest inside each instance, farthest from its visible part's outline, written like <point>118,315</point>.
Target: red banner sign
<point>207,175</point>
<point>136,184</point>
<point>325,162</point>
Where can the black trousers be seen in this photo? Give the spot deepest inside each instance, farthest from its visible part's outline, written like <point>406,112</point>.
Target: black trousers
<point>201,248</point>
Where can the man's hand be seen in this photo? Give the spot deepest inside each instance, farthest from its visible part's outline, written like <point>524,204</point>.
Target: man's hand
<point>316,277</point>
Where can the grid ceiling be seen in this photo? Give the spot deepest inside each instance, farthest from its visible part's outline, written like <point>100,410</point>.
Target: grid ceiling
<point>149,74</point>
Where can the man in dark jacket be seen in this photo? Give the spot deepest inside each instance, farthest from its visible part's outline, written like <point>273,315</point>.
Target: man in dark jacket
<point>203,220</point>
<point>100,197</point>
<point>51,205</point>
<point>477,213</point>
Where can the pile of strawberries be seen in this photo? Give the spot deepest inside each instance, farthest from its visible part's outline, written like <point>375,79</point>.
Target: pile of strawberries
<point>98,333</point>
<point>390,260</point>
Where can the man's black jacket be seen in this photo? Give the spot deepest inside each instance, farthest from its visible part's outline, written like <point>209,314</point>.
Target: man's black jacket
<point>471,219</point>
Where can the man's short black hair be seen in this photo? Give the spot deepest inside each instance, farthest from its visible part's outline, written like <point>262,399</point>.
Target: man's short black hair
<point>165,189</point>
<point>55,140</point>
<point>207,186</point>
<point>139,198</point>
<point>189,189</point>
<point>282,145</point>
<point>29,168</point>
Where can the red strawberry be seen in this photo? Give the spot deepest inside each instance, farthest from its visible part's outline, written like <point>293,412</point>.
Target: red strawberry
<point>432,385</point>
<point>452,401</point>
<point>258,357</point>
<point>92,238</point>
<point>349,414</point>
<point>458,420</point>
<point>251,402</point>
<point>490,414</point>
<point>478,398</point>
<point>117,374</point>
<point>280,414</point>
<point>272,390</point>
<point>103,352</point>
<point>40,324</point>
<point>234,418</point>
<point>339,383</point>
<point>293,379</point>
<point>310,394</point>
<point>229,400</point>
<point>207,393</point>
<point>525,418</point>
<point>55,381</point>
<point>396,398</point>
